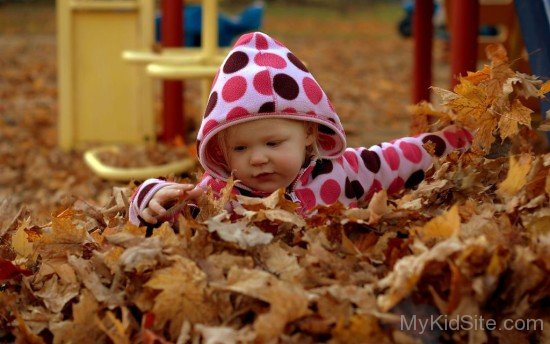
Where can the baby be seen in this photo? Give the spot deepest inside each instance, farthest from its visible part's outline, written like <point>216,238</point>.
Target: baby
<point>269,123</point>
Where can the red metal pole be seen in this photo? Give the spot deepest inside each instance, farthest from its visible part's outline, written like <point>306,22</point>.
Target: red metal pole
<point>172,92</point>
<point>423,37</point>
<point>464,31</point>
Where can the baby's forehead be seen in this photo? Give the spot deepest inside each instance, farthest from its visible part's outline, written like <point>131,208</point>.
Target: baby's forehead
<point>264,127</point>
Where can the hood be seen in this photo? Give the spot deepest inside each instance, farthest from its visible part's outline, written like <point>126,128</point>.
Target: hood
<point>261,78</point>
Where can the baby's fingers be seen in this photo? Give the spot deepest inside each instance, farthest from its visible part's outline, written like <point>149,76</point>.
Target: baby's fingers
<point>193,194</point>
<point>155,206</point>
<point>147,216</point>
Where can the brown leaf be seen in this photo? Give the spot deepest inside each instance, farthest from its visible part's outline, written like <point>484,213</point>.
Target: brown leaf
<point>82,328</point>
<point>509,121</point>
<point>183,296</point>
<point>288,302</point>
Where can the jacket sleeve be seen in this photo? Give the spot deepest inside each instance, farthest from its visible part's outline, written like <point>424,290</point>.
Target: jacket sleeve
<point>399,163</point>
<point>141,197</point>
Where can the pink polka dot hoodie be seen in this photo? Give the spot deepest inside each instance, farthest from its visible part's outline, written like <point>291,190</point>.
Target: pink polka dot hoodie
<point>261,78</point>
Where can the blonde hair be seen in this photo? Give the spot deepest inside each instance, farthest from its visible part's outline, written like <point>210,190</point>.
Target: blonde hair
<point>219,151</point>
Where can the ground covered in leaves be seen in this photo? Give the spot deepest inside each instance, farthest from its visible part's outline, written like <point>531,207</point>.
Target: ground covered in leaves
<point>472,240</point>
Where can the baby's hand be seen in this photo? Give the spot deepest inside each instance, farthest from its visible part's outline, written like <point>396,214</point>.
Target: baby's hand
<point>166,197</point>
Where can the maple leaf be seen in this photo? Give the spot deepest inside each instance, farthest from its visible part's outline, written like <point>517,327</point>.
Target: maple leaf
<point>240,232</point>
<point>183,296</point>
<point>280,261</point>
<point>144,256</point>
<point>56,294</point>
<point>509,121</point>
<point>516,177</point>
<point>287,301</point>
<point>82,328</point>
<point>64,237</point>
<point>544,88</point>
<point>471,108</point>
<point>443,226</point>
<point>479,76</point>
<point>420,117</point>
<point>407,272</point>
<point>19,241</point>
<point>92,280</point>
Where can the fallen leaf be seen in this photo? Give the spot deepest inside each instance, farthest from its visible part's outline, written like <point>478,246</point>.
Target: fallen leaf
<point>443,226</point>
<point>82,328</point>
<point>516,177</point>
<point>183,296</point>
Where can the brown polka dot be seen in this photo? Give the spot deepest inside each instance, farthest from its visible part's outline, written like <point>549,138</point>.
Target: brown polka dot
<point>326,130</point>
<point>296,61</point>
<point>354,189</point>
<point>323,166</point>
<point>439,143</point>
<point>285,86</point>
<point>212,101</point>
<point>371,160</point>
<point>415,179</point>
<point>236,61</point>
<point>267,107</point>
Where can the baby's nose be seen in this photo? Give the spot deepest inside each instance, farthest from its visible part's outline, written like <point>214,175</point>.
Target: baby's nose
<point>258,158</point>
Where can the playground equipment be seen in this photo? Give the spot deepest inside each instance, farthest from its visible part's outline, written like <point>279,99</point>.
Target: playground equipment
<point>102,99</point>
<point>229,27</point>
<point>464,19</point>
<point>108,99</point>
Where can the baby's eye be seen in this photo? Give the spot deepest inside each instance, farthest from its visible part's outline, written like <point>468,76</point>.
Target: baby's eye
<point>239,148</point>
<point>274,143</point>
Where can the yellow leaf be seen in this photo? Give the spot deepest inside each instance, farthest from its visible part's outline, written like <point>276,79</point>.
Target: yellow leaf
<point>182,297</point>
<point>19,241</point>
<point>470,107</point>
<point>443,226</point>
<point>545,88</point>
<point>479,76</point>
<point>518,114</point>
<point>517,176</point>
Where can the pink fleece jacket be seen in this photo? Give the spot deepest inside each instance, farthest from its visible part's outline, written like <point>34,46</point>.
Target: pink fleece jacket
<point>261,78</point>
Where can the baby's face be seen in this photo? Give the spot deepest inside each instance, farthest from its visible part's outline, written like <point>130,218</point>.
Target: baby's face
<point>267,154</point>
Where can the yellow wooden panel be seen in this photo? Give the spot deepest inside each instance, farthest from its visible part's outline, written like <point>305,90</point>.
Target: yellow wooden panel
<point>105,88</point>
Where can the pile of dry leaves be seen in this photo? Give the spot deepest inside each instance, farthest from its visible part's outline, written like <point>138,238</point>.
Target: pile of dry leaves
<point>472,240</point>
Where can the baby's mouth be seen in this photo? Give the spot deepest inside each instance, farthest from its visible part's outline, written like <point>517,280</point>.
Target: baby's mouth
<point>264,175</point>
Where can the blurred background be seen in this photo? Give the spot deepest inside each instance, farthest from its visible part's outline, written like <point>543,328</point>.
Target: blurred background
<point>360,51</point>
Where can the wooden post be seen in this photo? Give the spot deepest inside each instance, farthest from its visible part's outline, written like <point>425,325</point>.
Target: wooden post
<point>172,95</point>
<point>464,32</point>
<point>423,38</point>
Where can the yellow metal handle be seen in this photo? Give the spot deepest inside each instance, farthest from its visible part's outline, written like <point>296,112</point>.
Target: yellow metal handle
<point>138,173</point>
